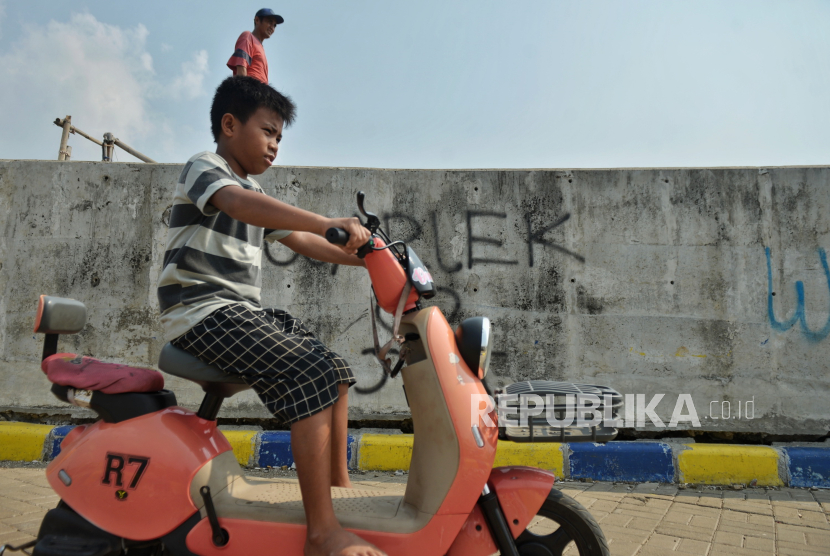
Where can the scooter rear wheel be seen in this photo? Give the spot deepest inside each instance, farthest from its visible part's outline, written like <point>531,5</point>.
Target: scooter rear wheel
<point>575,525</point>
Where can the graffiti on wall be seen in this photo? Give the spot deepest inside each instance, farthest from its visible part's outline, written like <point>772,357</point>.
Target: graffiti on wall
<point>800,313</point>
<point>477,254</point>
<point>475,242</point>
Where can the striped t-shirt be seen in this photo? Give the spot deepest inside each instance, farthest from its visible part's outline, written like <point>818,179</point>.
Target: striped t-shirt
<point>211,259</point>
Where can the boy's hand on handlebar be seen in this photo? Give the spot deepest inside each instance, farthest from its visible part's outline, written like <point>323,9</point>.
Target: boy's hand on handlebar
<point>358,234</point>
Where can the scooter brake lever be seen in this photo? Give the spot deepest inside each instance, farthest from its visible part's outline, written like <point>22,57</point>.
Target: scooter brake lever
<point>372,220</point>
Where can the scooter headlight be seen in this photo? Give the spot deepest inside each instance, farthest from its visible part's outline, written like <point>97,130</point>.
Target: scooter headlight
<point>473,338</point>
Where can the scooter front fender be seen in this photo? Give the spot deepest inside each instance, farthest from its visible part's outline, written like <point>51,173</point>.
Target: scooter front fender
<point>521,492</point>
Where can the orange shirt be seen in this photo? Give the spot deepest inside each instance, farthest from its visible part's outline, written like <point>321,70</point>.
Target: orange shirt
<point>250,54</point>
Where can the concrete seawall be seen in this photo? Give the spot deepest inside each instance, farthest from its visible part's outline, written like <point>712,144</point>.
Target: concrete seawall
<point>707,282</point>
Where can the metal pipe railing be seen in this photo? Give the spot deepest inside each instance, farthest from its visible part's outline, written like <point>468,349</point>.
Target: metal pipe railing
<point>132,151</point>
<point>66,124</point>
<point>106,145</point>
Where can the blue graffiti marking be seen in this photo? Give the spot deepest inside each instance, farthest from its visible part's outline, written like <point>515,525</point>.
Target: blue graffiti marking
<point>800,313</point>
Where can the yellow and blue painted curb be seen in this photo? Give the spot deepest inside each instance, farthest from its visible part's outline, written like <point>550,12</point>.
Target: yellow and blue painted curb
<point>660,462</point>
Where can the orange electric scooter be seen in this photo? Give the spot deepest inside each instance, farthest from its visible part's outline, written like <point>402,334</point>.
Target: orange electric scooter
<point>152,478</point>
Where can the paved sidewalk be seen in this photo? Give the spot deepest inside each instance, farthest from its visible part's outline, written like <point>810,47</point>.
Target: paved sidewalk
<point>651,519</point>
<point>645,519</point>
<point>25,497</point>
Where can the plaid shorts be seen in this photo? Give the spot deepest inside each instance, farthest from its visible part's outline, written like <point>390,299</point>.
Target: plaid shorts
<point>293,373</point>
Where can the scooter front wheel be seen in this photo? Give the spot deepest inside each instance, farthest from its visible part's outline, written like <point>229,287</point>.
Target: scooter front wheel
<point>575,524</point>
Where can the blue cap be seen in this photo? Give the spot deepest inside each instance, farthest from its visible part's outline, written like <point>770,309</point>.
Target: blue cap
<point>266,12</point>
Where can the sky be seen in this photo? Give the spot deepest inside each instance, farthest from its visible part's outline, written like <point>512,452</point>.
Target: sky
<point>434,83</point>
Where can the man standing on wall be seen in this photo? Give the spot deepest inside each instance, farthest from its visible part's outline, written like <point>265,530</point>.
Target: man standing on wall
<point>249,56</point>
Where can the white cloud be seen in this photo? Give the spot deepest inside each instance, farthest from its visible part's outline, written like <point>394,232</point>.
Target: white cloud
<point>101,74</point>
<point>147,61</point>
<point>189,84</point>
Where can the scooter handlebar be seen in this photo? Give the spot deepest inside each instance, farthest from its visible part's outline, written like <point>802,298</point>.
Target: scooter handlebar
<point>337,236</point>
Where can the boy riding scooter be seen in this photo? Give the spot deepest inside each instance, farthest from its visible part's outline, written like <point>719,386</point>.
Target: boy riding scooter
<point>151,478</point>
<point>209,295</point>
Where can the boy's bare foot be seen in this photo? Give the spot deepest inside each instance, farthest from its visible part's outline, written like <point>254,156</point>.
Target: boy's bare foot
<point>341,482</point>
<point>339,542</point>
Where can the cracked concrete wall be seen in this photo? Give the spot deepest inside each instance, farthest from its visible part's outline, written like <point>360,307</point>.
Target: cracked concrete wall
<point>710,282</point>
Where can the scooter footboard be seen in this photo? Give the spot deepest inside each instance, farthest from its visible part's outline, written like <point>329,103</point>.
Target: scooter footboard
<point>521,491</point>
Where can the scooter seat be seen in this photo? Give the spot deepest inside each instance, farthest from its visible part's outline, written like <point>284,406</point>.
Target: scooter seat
<point>86,373</point>
<point>177,362</point>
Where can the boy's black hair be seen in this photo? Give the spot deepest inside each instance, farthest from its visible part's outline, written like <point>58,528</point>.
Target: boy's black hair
<point>242,96</point>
